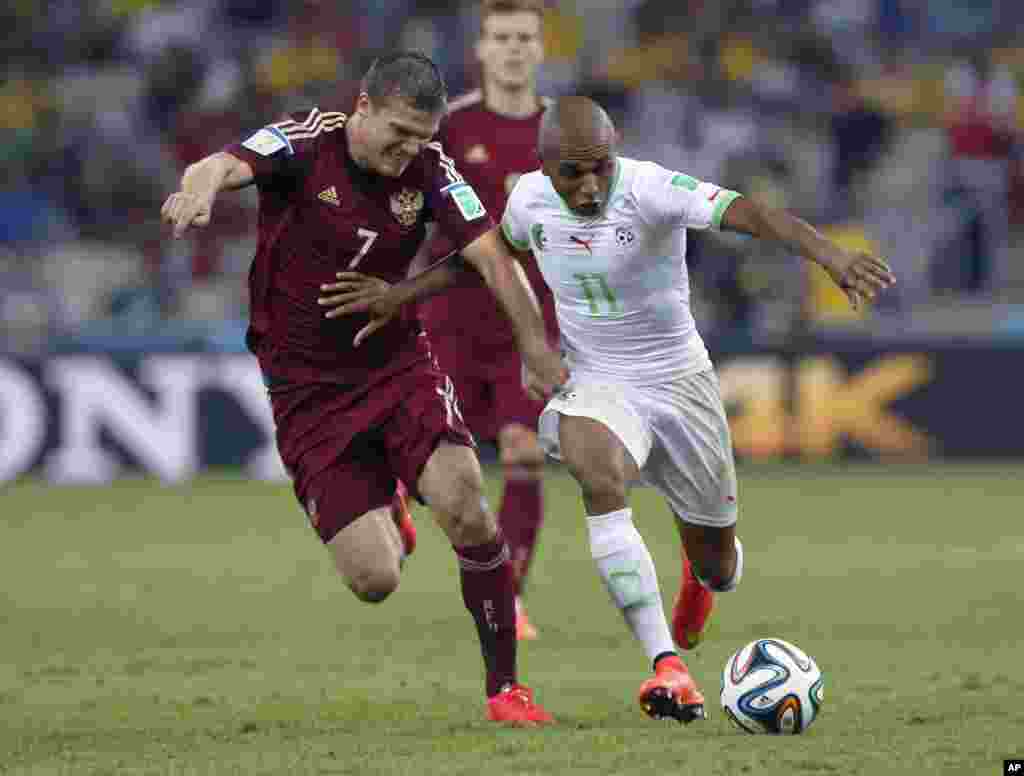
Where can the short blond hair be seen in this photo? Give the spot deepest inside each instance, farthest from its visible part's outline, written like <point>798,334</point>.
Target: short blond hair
<point>489,8</point>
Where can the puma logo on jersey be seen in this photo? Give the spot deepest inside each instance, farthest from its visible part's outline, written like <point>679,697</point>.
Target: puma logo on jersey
<point>330,196</point>
<point>584,243</point>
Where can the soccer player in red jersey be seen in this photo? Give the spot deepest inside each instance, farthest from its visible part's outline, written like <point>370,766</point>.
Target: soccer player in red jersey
<point>355,193</point>
<point>492,135</point>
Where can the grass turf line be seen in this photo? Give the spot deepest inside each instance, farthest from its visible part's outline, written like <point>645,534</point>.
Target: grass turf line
<point>199,629</point>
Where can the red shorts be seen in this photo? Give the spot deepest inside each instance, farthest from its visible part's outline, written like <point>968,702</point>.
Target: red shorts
<point>489,384</point>
<point>346,446</point>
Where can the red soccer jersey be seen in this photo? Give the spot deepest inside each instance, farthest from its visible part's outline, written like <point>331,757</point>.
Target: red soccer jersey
<point>492,151</point>
<point>319,214</point>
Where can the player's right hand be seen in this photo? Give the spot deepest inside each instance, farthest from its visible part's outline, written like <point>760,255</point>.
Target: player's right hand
<point>183,210</point>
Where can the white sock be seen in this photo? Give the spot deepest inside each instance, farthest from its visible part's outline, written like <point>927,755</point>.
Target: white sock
<point>627,569</point>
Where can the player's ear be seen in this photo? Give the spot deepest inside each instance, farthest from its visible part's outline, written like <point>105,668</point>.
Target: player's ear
<point>363,104</point>
<point>478,50</point>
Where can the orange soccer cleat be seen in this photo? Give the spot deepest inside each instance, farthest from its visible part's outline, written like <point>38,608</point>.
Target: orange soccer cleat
<point>671,693</point>
<point>692,612</point>
<point>525,631</point>
<point>403,519</point>
<point>514,706</point>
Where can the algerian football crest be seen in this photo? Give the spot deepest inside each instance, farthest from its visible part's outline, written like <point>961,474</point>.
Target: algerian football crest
<point>537,233</point>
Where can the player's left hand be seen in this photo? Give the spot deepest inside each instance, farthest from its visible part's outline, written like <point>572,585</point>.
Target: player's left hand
<point>354,292</point>
<point>532,385</point>
<point>861,276</point>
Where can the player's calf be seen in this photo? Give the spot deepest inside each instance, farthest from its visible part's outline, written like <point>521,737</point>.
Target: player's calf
<point>719,572</point>
<point>452,485</point>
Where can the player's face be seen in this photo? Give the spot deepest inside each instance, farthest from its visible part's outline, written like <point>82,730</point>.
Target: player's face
<point>584,185</point>
<point>510,49</point>
<point>392,134</point>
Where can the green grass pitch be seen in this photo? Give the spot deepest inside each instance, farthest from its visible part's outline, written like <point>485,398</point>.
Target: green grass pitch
<point>199,629</point>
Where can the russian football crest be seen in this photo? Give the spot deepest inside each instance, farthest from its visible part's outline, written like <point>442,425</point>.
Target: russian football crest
<point>406,206</point>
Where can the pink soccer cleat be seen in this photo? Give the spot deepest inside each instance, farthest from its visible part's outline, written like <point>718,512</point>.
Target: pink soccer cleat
<point>692,610</point>
<point>514,706</point>
<point>671,693</point>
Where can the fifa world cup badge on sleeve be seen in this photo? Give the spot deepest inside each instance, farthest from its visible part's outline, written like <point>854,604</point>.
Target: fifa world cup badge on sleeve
<point>467,201</point>
<point>267,141</point>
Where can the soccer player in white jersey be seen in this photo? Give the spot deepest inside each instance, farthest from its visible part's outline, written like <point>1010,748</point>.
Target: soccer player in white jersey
<point>642,403</point>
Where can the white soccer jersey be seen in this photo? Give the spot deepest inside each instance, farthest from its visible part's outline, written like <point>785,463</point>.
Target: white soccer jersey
<point>621,288</point>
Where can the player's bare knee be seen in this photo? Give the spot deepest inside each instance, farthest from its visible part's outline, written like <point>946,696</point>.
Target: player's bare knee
<point>374,585</point>
<point>604,489</point>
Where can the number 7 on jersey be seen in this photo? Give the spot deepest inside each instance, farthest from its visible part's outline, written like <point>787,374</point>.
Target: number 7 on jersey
<point>368,236</point>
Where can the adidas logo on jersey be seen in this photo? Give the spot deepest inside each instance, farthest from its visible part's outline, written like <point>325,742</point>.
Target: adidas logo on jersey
<point>330,196</point>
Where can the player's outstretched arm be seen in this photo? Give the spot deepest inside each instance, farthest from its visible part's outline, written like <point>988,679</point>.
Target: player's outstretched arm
<point>490,255</point>
<point>201,182</point>
<point>860,275</point>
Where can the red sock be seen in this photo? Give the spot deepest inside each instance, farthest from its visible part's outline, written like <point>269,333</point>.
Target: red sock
<point>520,517</point>
<point>488,593</point>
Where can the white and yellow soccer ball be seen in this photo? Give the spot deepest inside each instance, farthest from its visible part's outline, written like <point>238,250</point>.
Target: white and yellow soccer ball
<point>771,686</point>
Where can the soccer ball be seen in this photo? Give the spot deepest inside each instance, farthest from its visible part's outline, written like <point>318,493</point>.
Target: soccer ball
<point>771,686</point>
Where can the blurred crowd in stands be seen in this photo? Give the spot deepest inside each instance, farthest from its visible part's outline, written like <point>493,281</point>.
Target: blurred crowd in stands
<point>895,124</point>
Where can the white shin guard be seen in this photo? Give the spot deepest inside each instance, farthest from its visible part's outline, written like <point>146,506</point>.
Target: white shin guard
<point>628,573</point>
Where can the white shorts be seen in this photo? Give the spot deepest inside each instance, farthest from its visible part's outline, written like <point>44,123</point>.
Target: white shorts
<point>677,434</point>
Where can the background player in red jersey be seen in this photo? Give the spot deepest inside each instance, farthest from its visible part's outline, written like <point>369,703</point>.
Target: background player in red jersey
<point>492,135</point>
<point>339,192</point>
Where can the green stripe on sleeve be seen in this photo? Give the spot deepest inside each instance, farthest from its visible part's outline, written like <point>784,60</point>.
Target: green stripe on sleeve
<point>725,198</point>
<point>507,231</point>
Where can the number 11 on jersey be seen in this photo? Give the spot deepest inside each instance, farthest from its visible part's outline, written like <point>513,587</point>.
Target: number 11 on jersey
<point>599,295</point>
